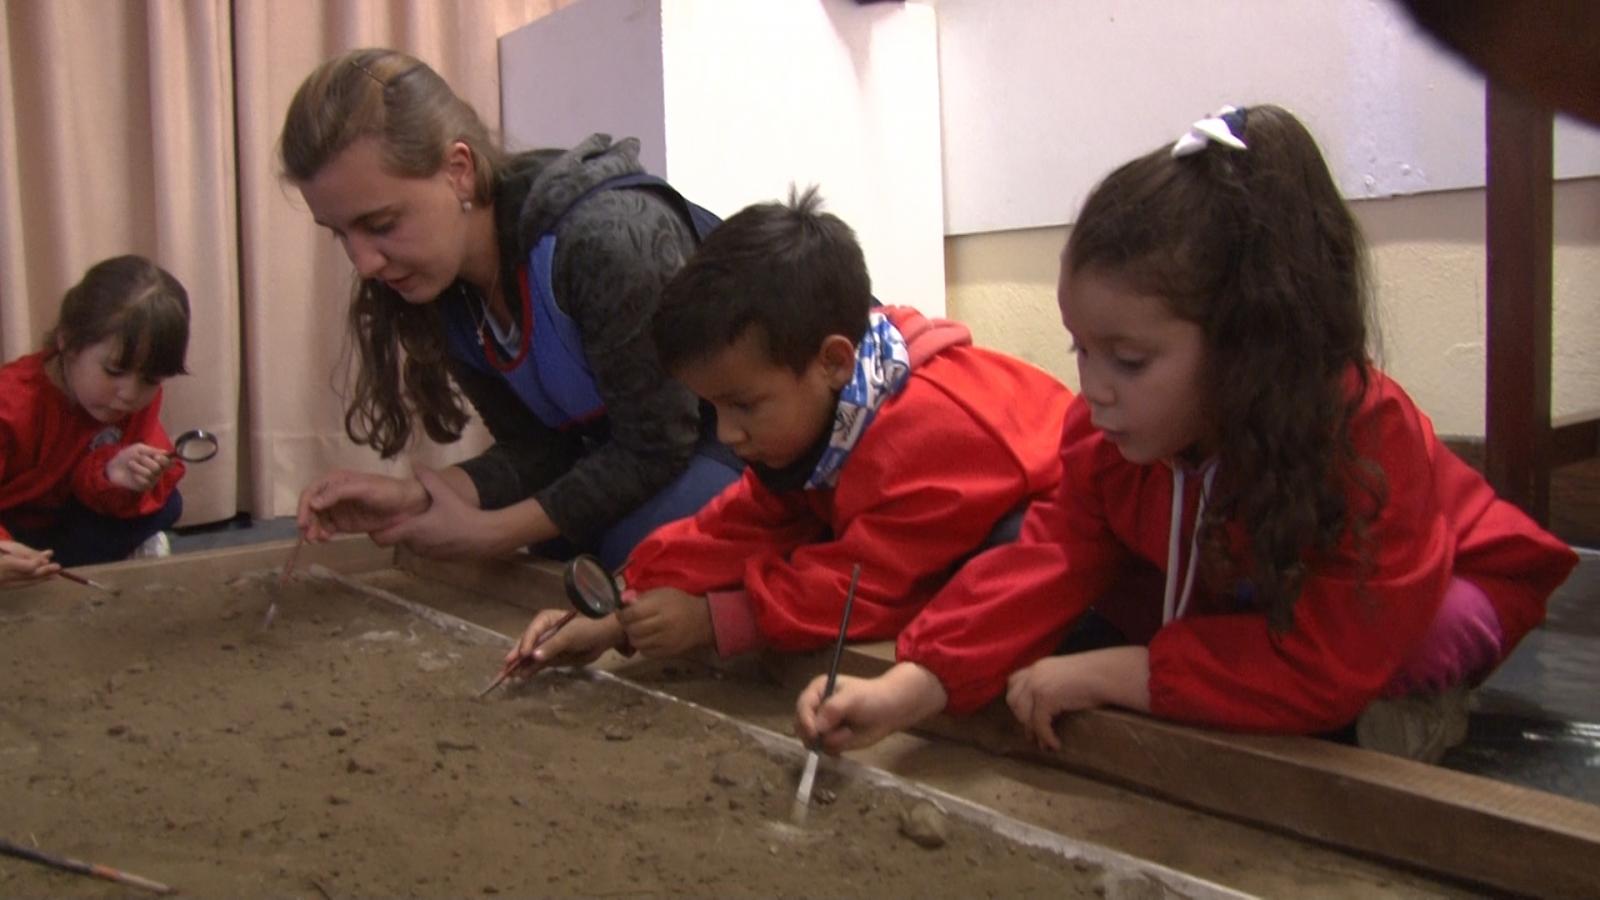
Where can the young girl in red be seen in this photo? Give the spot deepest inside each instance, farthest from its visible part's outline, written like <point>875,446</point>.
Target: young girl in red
<point>85,475</point>
<point>1321,549</point>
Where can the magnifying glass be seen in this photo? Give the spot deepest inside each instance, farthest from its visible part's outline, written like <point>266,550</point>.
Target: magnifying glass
<point>195,446</point>
<point>591,590</point>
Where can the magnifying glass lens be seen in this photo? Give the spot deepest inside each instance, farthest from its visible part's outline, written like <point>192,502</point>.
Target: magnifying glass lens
<point>195,446</point>
<point>590,587</point>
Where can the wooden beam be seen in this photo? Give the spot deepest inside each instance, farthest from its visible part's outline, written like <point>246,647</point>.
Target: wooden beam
<point>1574,440</point>
<point>348,554</point>
<point>1416,815</point>
<point>1519,229</point>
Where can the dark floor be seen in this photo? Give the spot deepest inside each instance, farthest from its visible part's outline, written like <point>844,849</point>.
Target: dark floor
<point>233,532</point>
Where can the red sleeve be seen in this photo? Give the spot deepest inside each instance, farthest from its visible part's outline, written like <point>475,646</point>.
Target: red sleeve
<point>1351,630</point>
<point>1517,564</point>
<point>15,414</point>
<point>97,493</point>
<point>709,550</point>
<point>921,491</point>
<point>1011,604</point>
<point>8,442</point>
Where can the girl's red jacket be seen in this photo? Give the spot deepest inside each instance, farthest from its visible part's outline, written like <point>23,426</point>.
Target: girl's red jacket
<point>52,451</point>
<point>1221,665</point>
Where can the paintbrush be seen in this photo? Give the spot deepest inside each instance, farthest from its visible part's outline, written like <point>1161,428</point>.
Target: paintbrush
<point>288,564</point>
<point>511,667</point>
<point>76,578</point>
<point>802,794</point>
<point>282,579</point>
<point>82,868</point>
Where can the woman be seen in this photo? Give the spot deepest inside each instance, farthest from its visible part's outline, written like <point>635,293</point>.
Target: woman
<point>530,280</point>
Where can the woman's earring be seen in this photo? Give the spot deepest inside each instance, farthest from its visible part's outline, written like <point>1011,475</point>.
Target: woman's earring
<point>466,206</point>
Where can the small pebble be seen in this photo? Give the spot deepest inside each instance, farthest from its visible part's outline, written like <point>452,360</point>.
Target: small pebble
<point>925,824</point>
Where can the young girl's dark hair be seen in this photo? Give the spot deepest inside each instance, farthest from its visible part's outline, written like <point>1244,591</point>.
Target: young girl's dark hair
<point>415,117</point>
<point>135,301</point>
<point>790,270</point>
<point>1257,248</point>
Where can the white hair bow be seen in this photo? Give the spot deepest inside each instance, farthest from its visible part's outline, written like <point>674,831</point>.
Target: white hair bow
<point>1218,127</point>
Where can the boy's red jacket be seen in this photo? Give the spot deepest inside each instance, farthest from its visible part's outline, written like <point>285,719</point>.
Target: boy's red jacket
<point>52,451</point>
<point>970,436</point>
<point>1221,665</point>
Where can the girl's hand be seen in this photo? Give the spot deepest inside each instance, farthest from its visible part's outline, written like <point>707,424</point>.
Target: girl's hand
<point>667,622</point>
<point>345,502</point>
<point>137,467</point>
<point>21,564</point>
<point>1118,676</point>
<point>862,712</point>
<point>578,643</point>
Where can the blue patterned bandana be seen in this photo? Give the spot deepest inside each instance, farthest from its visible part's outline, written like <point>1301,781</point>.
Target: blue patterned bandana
<point>882,365</point>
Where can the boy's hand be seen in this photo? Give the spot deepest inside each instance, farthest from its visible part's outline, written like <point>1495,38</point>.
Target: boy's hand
<point>864,711</point>
<point>21,564</point>
<point>667,622</point>
<point>1118,676</point>
<point>345,502</point>
<point>578,643</point>
<point>137,467</point>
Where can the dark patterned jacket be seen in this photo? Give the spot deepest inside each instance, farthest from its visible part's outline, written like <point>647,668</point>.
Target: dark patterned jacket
<point>614,253</point>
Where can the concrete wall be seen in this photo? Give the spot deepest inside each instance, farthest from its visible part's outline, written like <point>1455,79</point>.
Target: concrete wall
<point>1428,267</point>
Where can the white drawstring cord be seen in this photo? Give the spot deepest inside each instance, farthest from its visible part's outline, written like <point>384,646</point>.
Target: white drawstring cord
<point>1174,606</point>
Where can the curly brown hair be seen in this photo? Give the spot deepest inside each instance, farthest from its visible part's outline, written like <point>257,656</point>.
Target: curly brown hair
<point>1258,249</point>
<point>412,112</point>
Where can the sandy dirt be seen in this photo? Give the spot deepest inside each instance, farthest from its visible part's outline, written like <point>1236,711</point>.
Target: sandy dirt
<point>342,753</point>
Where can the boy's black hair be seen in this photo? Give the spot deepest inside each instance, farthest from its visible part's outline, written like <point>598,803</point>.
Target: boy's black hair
<point>790,270</point>
<point>134,300</point>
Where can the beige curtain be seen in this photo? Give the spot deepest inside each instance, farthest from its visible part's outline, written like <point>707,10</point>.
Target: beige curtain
<point>149,126</point>
<point>118,138</point>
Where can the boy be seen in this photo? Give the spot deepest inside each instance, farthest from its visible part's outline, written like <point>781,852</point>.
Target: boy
<point>873,435</point>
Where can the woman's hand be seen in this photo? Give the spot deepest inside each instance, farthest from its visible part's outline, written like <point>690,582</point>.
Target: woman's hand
<point>864,711</point>
<point>137,467</point>
<point>1118,676</point>
<point>345,502</point>
<point>453,528</point>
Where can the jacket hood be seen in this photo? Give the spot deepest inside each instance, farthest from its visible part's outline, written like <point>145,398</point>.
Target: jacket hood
<point>925,337</point>
<point>548,182</point>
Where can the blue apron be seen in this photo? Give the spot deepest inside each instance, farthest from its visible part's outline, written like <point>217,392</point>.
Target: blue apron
<point>550,372</point>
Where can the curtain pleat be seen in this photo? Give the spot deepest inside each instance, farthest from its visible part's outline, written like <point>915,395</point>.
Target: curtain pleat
<point>151,127</point>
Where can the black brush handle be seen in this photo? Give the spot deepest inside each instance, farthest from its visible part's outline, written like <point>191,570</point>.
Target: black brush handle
<point>844,628</point>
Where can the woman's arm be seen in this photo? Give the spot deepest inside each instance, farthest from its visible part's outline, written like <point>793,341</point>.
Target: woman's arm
<point>613,257</point>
